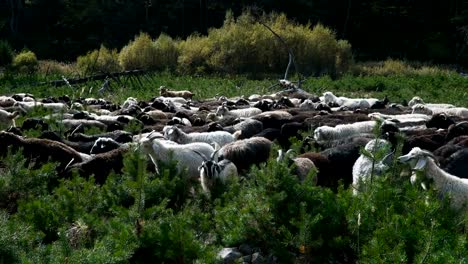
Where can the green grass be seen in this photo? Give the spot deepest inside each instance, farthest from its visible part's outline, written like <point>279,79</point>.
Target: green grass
<point>447,88</point>
<point>139,216</point>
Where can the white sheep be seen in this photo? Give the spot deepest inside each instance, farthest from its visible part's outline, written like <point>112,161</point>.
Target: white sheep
<point>417,100</point>
<point>55,107</point>
<point>7,101</point>
<point>7,118</point>
<point>403,118</point>
<point>178,101</point>
<point>129,102</point>
<point>246,112</point>
<point>220,137</point>
<point>423,160</point>
<point>326,133</point>
<point>369,164</point>
<point>184,155</point>
<point>351,103</point>
<point>455,111</point>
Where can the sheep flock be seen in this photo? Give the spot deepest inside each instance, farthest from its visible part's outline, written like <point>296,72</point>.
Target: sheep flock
<point>343,140</point>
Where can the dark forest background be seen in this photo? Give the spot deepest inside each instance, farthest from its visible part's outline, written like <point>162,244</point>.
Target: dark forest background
<point>423,30</point>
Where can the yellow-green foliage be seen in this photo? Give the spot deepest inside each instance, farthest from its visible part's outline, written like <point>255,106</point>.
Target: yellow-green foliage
<point>52,67</point>
<point>25,61</point>
<point>166,53</point>
<point>99,61</point>
<point>397,67</point>
<point>140,53</point>
<point>344,57</point>
<point>244,45</point>
<point>144,53</point>
<point>193,54</point>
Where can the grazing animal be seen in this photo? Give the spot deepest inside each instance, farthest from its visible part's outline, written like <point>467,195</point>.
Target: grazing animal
<point>184,155</point>
<point>370,164</point>
<point>7,118</point>
<point>177,135</point>
<point>445,183</point>
<point>163,91</point>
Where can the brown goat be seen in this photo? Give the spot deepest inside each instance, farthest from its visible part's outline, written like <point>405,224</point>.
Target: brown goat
<point>163,91</point>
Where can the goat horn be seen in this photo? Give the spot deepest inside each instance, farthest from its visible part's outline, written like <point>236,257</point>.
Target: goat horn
<point>74,130</point>
<point>201,155</point>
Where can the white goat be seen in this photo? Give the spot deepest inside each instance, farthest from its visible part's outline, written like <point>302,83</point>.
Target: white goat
<point>351,103</point>
<point>325,133</point>
<point>246,112</point>
<point>184,155</point>
<point>369,163</point>
<point>417,100</point>
<point>455,111</point>
<point>220,137</point>
<point>423,160</point>
<point>7,118</point>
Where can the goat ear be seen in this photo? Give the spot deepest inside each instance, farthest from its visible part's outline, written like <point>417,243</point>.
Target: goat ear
<point>420,164</point>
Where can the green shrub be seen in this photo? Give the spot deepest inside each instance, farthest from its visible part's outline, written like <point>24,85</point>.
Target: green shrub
<point>6,53</point>
<point>243,45</point>
<point>25,62</point>
<point>344,57</point>
<point>141,53</point>
<point>193,54</point>
<point>166,53</point>
<point>51,67</point>
<point>99,61</point>
<point>391,67</point>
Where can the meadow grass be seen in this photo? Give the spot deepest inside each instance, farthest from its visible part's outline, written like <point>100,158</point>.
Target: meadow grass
<point>447,87</point>
<point>141,217</point>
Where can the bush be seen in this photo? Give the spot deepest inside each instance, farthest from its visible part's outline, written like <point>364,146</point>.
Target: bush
<point>99,61</point>
<point>193,54</point>
<point>391,67</point>
<point>25,62</point>
<point>141,53</point>
<point>166,53</point>
<point>50,67</point>
<point>6,53</point>
<point>244,45</point>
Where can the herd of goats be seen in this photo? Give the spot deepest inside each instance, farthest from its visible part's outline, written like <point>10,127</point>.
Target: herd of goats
<point>215,139</point>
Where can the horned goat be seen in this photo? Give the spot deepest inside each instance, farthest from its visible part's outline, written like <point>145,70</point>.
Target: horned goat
<point>212,171</point>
